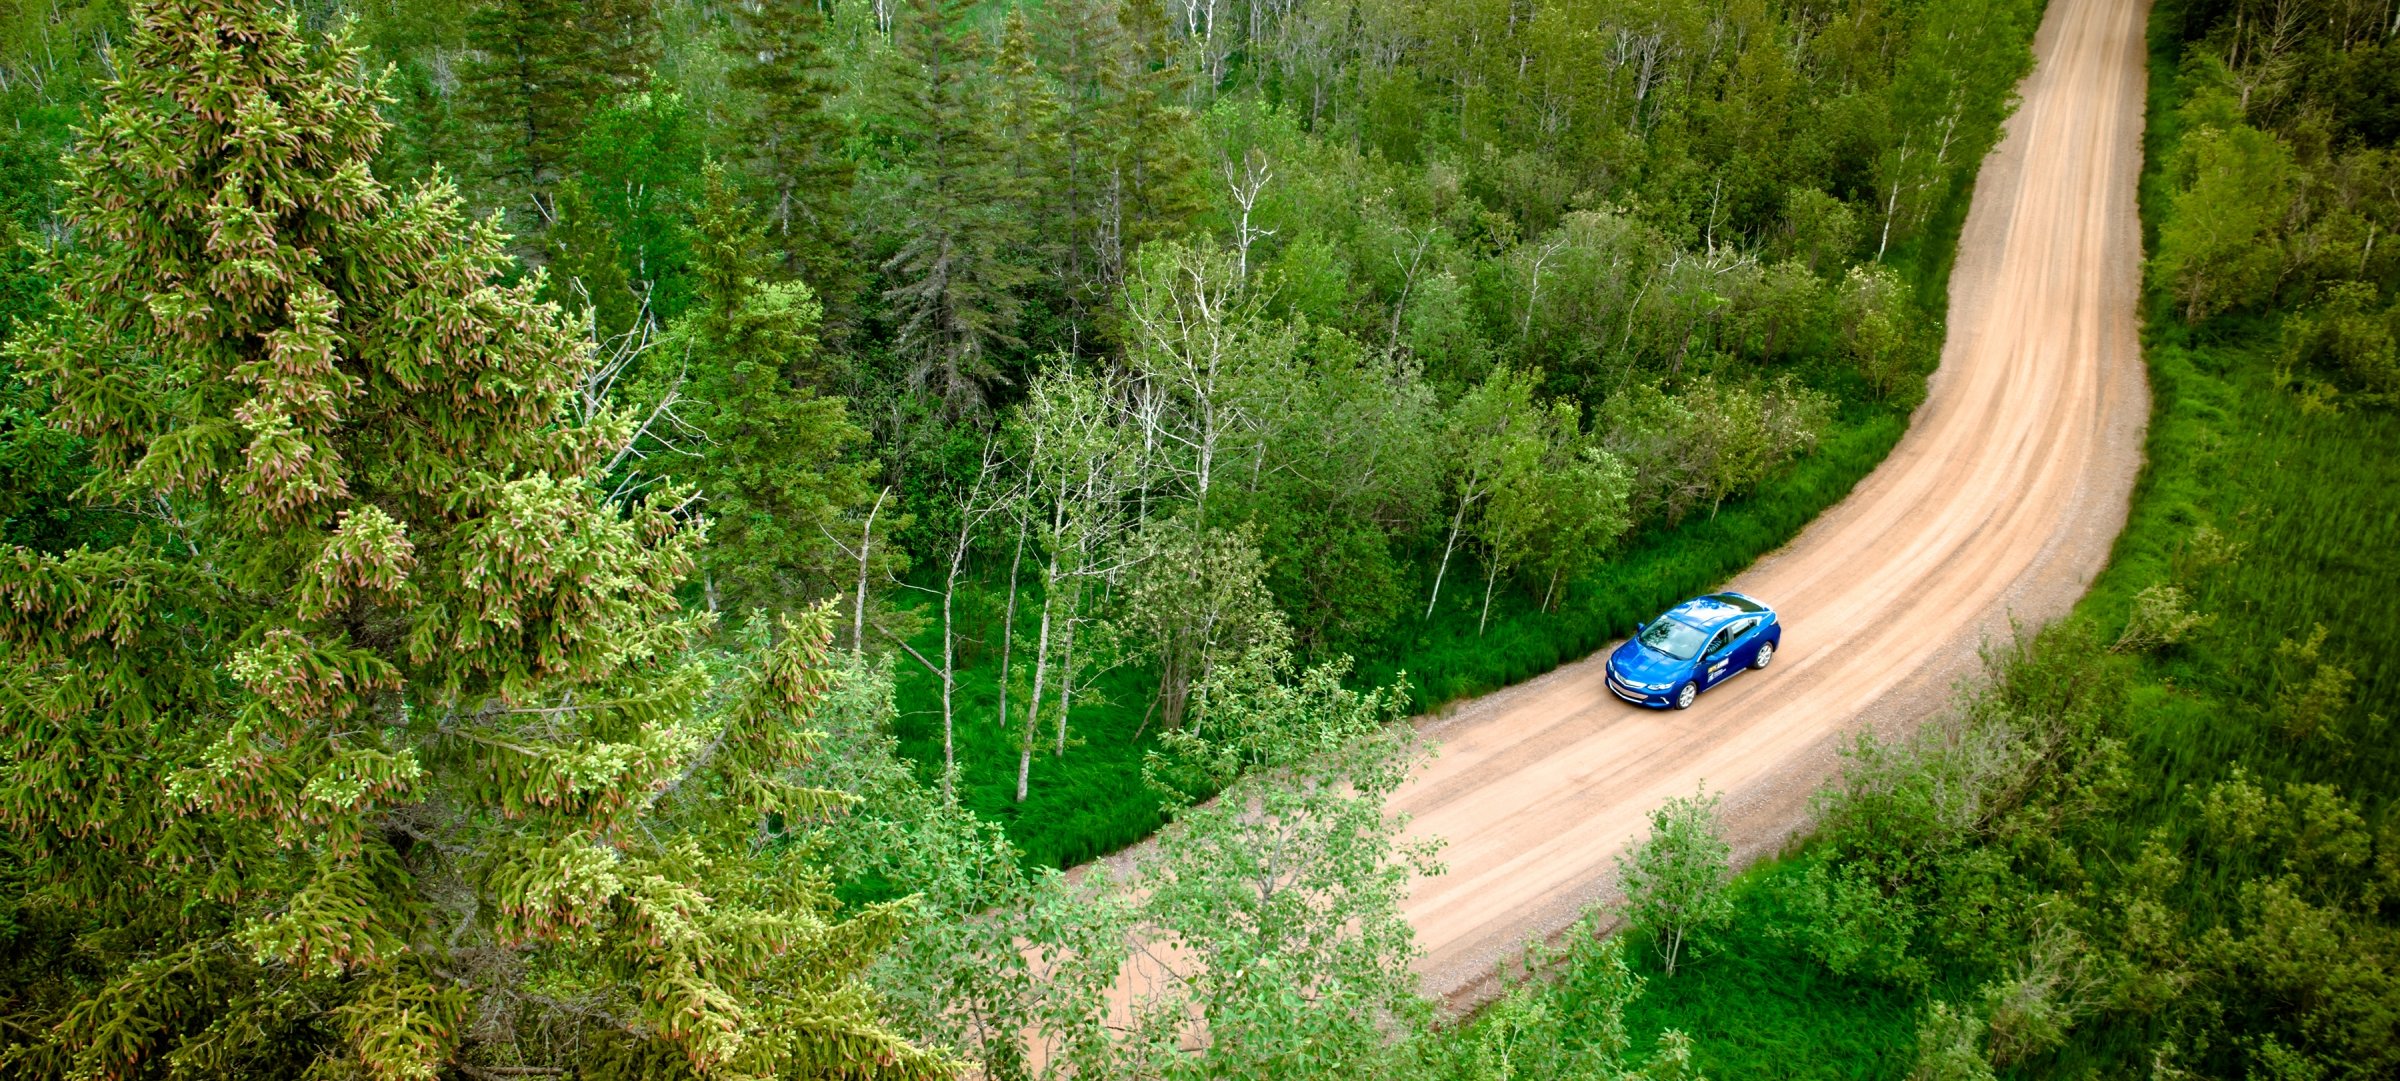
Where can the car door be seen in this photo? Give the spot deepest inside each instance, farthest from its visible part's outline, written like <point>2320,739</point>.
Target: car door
<point>1716,662</point>
<point>1746,637</point>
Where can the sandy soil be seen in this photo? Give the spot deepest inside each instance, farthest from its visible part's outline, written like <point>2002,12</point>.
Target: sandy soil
<point>1997,507</point>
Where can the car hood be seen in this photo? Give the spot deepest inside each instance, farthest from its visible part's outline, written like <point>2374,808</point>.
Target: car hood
<point>1635,663</point>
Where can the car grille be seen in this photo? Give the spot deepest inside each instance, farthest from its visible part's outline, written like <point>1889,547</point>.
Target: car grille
<point>1618,688</point>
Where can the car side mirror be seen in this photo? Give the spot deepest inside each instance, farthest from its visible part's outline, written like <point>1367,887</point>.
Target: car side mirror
<point>1639,627</point>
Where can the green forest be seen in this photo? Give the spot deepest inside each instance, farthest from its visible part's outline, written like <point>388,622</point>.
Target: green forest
<point>638,538</point>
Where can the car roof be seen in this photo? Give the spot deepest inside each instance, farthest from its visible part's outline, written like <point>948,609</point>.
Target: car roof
<point>1708,612</point>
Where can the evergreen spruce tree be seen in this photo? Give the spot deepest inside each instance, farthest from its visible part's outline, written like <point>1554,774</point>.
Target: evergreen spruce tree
<point>773,469</point>
<point>1124,175</point>
<point>1147,135</point>
<point>789,140</point>
<point>1026,116</point>
<point>539,69</point>
<point>957,275</point>
<point>381,750</point>
<point>586,273</point>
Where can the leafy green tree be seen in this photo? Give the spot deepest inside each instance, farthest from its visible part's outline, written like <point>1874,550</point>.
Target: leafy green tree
<point>1949,1046</point>
<point>1714,441</point>
<point>1675,880</point>
<point>1080,466</point>
<point>1198,599</point>
<point>1532,498</point>
<point>1207,355</point>
<point>1950,90</point>
<point>1274,911</point>
<point>777,456</point>
<point>1881,330</point>
<point>1569,1022</point>
<point>1495,432</point>
<point>380,750</point>
<point>1349,471</point>
<point>1582,500</point>
<point>2219,246</point>
<point>587,271</point>
<point>638,163</point>
<point>1822,231</point>
<point>2348,338</point>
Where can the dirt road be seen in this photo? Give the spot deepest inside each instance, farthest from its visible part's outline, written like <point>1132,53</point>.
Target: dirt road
<point>2000,504</point>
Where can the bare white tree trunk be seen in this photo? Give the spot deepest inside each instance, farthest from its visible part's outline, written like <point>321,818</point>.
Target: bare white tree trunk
<point>1066,670</point>
<point>1245,187</point>
<point>972,510</point>
<point>1489,579</point>
<point>1033,701</point>
<point>1008,622</point>
<point>1448,546</point>
<point>866,548</point>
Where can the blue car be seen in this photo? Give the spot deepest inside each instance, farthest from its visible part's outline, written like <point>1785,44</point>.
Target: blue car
<point>1696,645</point>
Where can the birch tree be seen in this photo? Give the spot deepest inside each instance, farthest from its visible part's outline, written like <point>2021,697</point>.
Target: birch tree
<point>1492,429</point>
<point>989,493</point>
<point>1202,342</point>
<point>1274,911</point>
<point>1080,467</point>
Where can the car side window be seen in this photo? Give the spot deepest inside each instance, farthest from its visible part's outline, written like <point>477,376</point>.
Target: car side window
<point>1723,639</point>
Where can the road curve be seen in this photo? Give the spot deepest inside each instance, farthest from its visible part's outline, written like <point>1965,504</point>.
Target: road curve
<point>1999,505</point>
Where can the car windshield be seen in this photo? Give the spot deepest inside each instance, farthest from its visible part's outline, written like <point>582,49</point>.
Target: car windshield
<point>1674,639</point>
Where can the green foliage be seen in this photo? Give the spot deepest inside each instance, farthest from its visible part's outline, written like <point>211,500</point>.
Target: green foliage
<point>1576,1025</point>
<point>957,281</point>
<point>1675,879</point>
<point>776,455</point>
<point>635,164</point>
<point>382,746</point>
<point>1883,331</point>
<point>538,69</point>
<point>788,137</point>
<point>1198,602</point>
<point>1949,1046</point>
<point>2346,338</point>
<point>1710,443</point>
<point>2220,246</point>
<point>1268,920</point>
<point>1277,908</point>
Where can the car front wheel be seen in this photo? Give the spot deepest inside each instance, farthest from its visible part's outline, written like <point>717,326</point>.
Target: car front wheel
<point>1685,695</point>
<point>1766,655</point>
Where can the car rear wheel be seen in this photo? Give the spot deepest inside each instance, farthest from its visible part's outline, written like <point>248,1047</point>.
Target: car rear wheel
<point>1686,694</point>
<point>1766,655</point>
